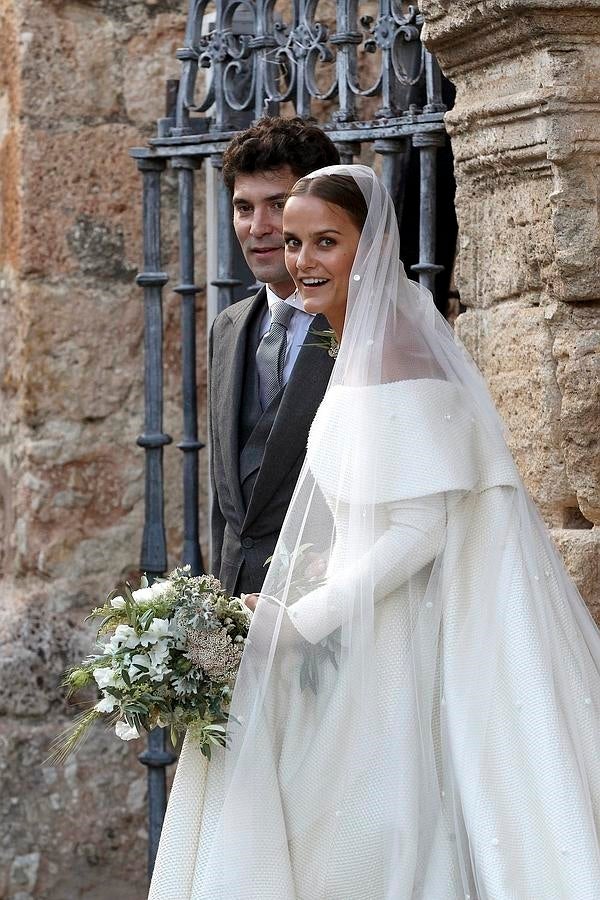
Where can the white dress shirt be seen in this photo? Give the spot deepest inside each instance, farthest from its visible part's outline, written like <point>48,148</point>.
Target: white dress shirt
<point>296,331</point>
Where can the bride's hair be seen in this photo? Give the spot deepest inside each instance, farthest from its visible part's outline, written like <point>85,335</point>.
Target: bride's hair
<point>341,190</point>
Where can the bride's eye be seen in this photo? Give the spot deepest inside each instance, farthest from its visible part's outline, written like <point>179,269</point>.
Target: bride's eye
<point>292,243</point>
<point>327,242</point>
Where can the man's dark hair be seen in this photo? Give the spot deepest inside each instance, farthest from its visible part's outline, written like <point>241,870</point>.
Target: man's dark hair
<point>274,142</point>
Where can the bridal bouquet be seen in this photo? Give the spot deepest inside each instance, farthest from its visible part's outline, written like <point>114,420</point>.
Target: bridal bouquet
<point>167,655</point>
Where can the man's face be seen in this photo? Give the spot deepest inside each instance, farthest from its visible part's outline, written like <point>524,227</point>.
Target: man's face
<point>258,201</point>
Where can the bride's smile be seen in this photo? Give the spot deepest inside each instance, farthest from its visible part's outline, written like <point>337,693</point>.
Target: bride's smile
<point>320,245</point>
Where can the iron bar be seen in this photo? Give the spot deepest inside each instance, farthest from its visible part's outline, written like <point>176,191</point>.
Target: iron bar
<point>154,550</point>
<point>225,281</point>
<point>301,38</point>
<point>394,153</point>
<point>156,758</point>
<point>262,42</point>
<point>355,132</point>
<point>346,39</point>
<point>218,53</point>
<point>347,151</point>
<point>187,289</point>
<point>188,55</point>
<point>426,268</point>
<point>433,84</point>
<point>152,280</point>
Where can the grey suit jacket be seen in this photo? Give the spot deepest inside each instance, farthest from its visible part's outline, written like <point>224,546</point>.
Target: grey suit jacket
<point>243,537</point>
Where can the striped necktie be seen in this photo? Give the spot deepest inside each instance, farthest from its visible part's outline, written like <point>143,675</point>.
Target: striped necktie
<point>270,356</point>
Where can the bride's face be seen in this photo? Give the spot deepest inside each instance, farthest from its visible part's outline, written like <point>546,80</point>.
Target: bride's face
<point>320,245</point>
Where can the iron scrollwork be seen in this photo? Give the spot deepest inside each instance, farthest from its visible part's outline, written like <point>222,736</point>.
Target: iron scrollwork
<point>254,58</point>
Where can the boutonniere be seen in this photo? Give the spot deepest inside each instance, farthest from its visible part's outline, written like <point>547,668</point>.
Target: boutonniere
<point>328,340</point>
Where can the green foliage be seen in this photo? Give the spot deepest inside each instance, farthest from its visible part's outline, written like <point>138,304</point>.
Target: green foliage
<point>145,673</point>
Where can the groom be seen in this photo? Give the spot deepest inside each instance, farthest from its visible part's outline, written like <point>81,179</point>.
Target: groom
<point>267,377</point>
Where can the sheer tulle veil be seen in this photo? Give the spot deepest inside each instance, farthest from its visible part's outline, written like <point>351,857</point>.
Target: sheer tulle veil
<point>422,675</point>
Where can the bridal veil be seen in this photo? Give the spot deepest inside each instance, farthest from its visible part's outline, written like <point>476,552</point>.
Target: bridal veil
<point>418,703</point>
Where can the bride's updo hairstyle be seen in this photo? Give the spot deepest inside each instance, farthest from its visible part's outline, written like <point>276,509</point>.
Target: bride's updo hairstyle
<point>340,190</point>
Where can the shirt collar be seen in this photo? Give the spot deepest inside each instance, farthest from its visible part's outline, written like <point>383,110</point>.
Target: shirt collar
<point>293,300</point>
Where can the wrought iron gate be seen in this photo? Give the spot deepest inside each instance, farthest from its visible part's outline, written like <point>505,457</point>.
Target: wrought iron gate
<point>359,68</point>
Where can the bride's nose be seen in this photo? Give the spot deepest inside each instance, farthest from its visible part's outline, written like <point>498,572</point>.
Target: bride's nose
<point>304,260</point>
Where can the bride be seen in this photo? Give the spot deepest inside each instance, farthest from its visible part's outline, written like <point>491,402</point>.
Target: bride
<point>416,714</point>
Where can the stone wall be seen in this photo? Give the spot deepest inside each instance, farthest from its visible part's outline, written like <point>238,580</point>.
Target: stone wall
<point>525,133</point>
<point>80,84</point>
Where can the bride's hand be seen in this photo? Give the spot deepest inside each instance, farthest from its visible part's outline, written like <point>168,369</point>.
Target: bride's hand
<point>250,600</point>
<point>268,621</point>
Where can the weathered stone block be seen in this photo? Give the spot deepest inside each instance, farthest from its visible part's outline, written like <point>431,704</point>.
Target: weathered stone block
<point>581,553</point>
<point>10,219</point>
<point>75,364</point>
<point>505,247</point>
<point>74,45</point>
<point>512,345</point>
<point>86,183</point>
<point>149,60</point>
<point>575,214</point>
<point>576,349</point>
<point>24,872</point>
<point>42,634</point>
<point>71,833</point>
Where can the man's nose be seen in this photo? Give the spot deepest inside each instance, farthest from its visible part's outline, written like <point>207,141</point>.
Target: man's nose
<point>261,223</point>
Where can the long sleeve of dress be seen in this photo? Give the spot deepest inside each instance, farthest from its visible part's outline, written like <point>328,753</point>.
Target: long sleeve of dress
<point>410,541</point>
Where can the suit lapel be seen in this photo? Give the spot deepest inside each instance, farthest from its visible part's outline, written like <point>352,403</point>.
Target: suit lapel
<point>299,403</point>
<point>232,357</point>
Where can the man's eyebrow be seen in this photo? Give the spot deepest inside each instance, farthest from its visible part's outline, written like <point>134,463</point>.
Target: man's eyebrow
<point>241,199</point>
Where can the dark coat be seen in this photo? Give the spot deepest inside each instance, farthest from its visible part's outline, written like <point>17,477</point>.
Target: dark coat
<point>245,525</point>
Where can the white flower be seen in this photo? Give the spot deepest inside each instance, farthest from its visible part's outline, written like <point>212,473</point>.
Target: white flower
<point>159,653</point>
<point>124,636</point>
<point>104,676</point>
<point>139,659</point>
<point>159,588</point>
<point>126,732</point>
<point>142,595</point>
<point>118,602</point>
<point>106,705</point>
<point>156,631</point>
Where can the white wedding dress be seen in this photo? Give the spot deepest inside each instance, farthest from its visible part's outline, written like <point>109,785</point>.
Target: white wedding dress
<point>477,788</point>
